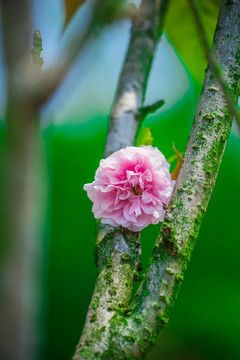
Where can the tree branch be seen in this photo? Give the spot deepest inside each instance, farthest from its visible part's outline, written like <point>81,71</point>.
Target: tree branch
<point>42,86</point>
<point>17,303</point>
<point>214,65</point>
<point>132,336</point>
<point>134,76</point>
<point>118,249</point>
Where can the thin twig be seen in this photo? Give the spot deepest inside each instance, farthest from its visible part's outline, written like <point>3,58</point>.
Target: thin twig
<point>149,109</point>
<point>37,49</point>
<point>18,302</point>
<point>214,64</point>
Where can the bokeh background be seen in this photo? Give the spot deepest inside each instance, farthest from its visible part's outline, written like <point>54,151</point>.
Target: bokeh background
<point>205,322</point>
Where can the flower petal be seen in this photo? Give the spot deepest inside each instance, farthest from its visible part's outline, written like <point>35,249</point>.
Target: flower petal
<point>130,188</point>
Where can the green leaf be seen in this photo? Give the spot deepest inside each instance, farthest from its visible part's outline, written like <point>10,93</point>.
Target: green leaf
<point>144,137</point>
<point>182,32</point>
<point>71,6</point>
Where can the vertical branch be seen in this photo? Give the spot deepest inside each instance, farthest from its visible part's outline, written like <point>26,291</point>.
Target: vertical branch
<point>118,249</point>
<point>124,119</point>
<point>17,301</point>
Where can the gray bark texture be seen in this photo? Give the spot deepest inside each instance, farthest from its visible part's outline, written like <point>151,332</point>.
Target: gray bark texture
<point>133,330</point>
<point>118,249</point>
<point>124,119</point>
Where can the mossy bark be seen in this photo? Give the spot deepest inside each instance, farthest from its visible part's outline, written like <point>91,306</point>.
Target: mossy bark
<point>117,260</point>
<point>132,333</point>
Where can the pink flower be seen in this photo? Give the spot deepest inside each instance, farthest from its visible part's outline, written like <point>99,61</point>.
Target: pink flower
<point>131,187</point>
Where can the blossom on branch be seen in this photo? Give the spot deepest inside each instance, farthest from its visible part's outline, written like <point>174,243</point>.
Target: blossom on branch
<point>131,187</point>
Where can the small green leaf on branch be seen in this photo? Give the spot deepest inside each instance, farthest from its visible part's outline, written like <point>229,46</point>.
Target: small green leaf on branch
<point>144,137</point>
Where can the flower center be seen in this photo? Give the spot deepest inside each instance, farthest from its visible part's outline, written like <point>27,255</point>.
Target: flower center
<point>137,190</point>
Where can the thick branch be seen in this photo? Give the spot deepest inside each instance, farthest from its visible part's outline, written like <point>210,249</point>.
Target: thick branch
<point>17,303</point>
<point>117,260</point>
<point>117,249</point>
<point>132,337</point>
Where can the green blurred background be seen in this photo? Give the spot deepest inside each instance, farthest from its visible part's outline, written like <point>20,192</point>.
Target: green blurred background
<point>205,322</point>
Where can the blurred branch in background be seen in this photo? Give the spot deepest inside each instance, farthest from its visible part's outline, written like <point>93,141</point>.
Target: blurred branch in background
<point>17,332</point>
<point>119,246</point>
<point>101,13</point>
